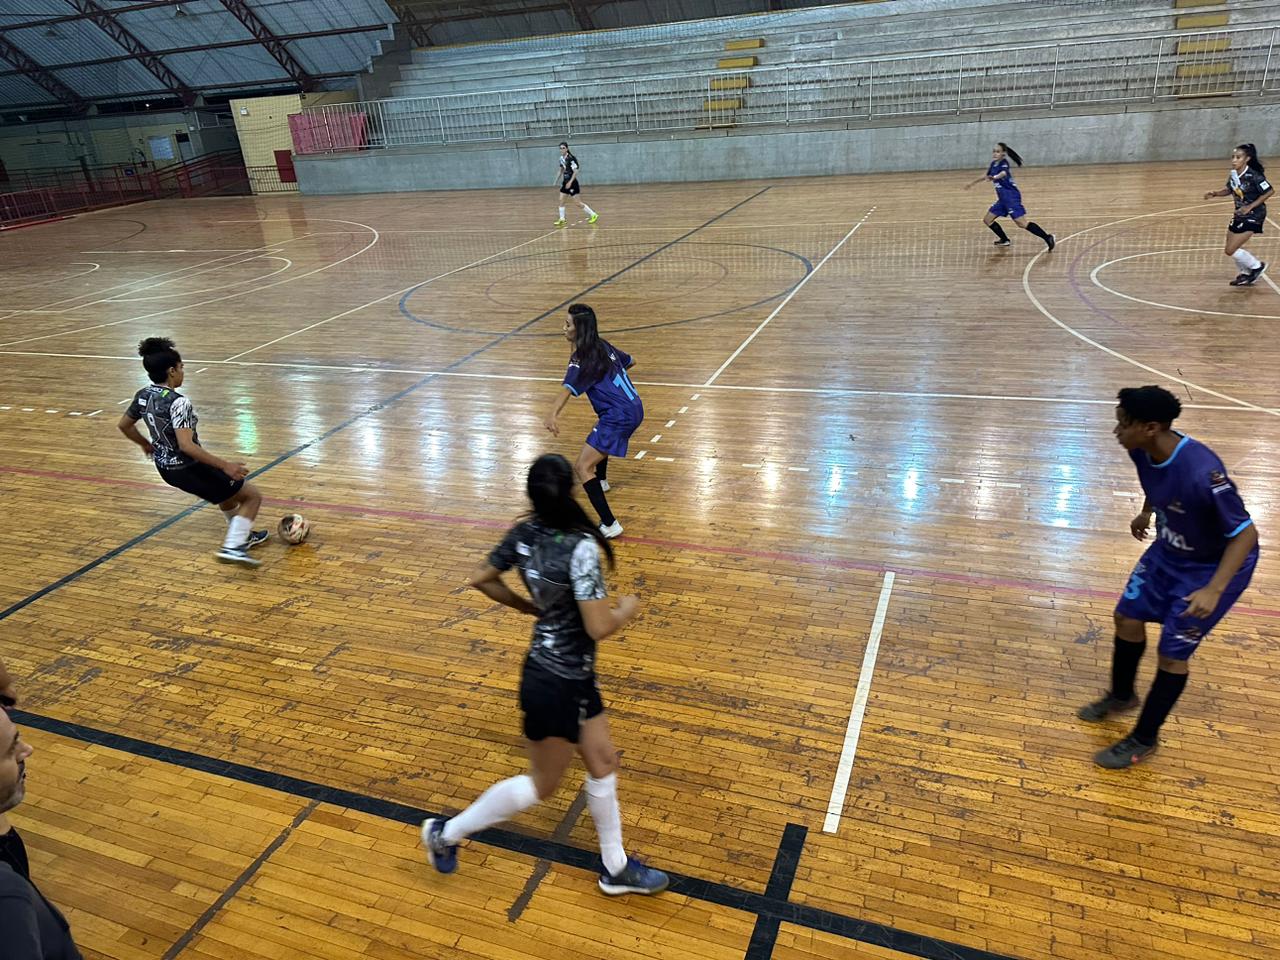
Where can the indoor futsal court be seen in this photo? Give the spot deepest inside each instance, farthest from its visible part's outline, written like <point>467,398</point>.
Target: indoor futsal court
<point>876,518</point>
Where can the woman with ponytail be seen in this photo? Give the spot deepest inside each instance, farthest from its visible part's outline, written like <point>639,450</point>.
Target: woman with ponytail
<point>1008,198</point>
<point>1248,184</point>
<point>599,370</point>
<point>557,550</point>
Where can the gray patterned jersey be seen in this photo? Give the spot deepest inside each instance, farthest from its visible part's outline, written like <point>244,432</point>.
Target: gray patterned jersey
<point>559,569</point>
<point>165,411</point>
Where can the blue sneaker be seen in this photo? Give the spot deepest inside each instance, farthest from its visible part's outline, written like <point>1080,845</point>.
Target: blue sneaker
<point>443,856</point>
<point>257,538</point>
<point>635,877</point>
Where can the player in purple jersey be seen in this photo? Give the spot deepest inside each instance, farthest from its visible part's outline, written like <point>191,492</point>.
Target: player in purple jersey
<point>1008,198</point>
<point>598,369</point>
<point>1203,558</point>
<point>1247,183</point>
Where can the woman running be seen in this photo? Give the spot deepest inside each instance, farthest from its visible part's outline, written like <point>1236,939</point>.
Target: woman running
<point>1251,191</point>
<point>599,370</point>
<point>567,178</point>
<point>1008,198</point>
<point>557,551</point>
<point>179,458</point>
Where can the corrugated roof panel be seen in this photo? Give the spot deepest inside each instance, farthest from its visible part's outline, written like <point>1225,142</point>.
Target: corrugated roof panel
<point>16,11</point>
<point>346,54</point>
<point>110,79</point>
<point>209,68</point>
<point>14,90</point>
<point>283,18</point>
<point>64,42</point>
<point>201,23</point>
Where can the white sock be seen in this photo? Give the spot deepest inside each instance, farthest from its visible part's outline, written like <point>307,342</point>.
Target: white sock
<point>602,801</point>
<point>500,802</point>
<point>237,532</point>
<point>562,213</point>
<point>590,212</point>
<point>1245,260</point>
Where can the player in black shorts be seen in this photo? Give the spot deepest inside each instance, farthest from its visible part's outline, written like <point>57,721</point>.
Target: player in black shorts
<point>567,179</point>
<point>178,456</point>
<point>557,551</point>
<point>1248,184</point>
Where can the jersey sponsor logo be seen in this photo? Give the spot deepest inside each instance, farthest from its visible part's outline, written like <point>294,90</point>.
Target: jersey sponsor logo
<point>1219,481</point>
<point>1175,540</point>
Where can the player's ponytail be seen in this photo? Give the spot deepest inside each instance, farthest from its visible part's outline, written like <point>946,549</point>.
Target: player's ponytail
<point>550,488</point>
<point>590,352</point>
<point>1250,151</point>
<point>1011,153</point>
<point>159,356</point>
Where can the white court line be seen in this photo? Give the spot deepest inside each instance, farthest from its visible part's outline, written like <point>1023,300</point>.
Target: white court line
<point>785,300</point>
<point>195,293</point>
<point>743,388</point>
<point>656,438</point>
<point>753,466</point>
<point>854,729</point>
<point>666,459</point>
<point>397,293</point>
<point>201,250</point>
<point>682,410</point>
<point>640,455</point>
<point>670,423</point>
<point>1271,283</point>
<point>949,480</point>
<point>1093,276</point>
<point>798,469</point>
<point>45,283</point>
<point>94,414</point>
<point>1026,287</point>
<point>228,296</point>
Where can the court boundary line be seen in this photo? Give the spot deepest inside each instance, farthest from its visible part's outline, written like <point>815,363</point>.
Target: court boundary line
<point>1093,278</point>
<point>787,299</point>
<point>853,730</point>
<point>817,391</point>
<point>377,407</point>
<point>562,854</point>
<point>1026,288</point>
<point>801,559</point>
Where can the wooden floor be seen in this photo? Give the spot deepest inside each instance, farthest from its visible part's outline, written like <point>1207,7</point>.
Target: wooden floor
<point>230,764</point>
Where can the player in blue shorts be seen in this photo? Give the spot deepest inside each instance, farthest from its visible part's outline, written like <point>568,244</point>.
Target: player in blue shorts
<point>598,369</point>
<point>1205,550</point>
<point>1247,183</point>
<point>1008,198</point>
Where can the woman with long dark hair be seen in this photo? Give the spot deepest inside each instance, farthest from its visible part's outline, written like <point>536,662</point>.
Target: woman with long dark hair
<point>1008,198</point>
<point>557,550</point>
<point>1247,183</point>
<point>567,179</point>
<point>598,369</point>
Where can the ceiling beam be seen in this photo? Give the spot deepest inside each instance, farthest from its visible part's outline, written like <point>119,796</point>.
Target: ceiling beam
<point>580,14</point>
<point>417,29</point>
<point>70,17</point>
<point>39,75</point>
<point>270,42</point>
<point>105,21</point>
<point>221,45</point>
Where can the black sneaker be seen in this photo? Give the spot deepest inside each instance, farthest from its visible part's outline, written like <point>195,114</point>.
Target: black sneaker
<point>635,877</point>
<point>1241,280</point>
<point>1254,274</point>
<point>1052,242</point>
<point>257,538</point>
<point>1099,710</point>
<point>1127,753</point>
<point>1006,242</point>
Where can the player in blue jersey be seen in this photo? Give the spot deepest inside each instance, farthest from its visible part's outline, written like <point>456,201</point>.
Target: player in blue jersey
<point>1203,557</point>
<point>1008,198</point>
<point>599,370</point>
<point>1247,183</point>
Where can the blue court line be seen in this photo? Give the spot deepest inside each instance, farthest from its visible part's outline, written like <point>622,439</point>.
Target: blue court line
<point>380,405</point>
<point>773,906</point>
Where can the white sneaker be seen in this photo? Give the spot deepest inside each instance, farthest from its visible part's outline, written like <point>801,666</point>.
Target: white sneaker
<point>611,531</point>
<point>241,556</point>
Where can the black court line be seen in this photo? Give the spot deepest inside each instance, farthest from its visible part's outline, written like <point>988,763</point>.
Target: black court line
<point>767,905</point>
<point>561,832</point>
<point>380,405</point>
<point>185,940</point>
<point>785,864</point>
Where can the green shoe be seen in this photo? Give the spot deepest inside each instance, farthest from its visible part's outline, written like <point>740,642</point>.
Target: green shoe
<point>560,223</point>
<point>593,218</point>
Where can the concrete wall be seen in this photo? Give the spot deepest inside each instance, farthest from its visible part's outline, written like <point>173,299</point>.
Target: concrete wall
<point>262,123</point>
<point>106,139</point>
<point>1172,132</point>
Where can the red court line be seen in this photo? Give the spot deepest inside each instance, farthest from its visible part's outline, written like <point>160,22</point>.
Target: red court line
<point>806,559</point>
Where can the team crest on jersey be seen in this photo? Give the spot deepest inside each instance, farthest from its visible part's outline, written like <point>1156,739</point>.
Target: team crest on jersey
<point>1218,481</point>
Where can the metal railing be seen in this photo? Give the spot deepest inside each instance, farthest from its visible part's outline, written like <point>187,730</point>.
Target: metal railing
<point>1068,74</point>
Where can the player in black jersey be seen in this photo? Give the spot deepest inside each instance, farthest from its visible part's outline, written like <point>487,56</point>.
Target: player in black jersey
<point>567,179</point>
<point>557,551</point>
<point>179,458</point>
<point>1248,184</point>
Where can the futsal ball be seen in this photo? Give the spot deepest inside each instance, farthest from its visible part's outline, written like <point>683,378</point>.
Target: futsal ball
<point>294,528</point>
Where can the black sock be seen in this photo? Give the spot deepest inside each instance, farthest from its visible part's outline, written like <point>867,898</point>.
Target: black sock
<point>596,496</point>
<point>1034,229</point>
<point>602,469</point>
<point>1124,667</point>
<point>1164,694</point>
<point>994,227</point>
